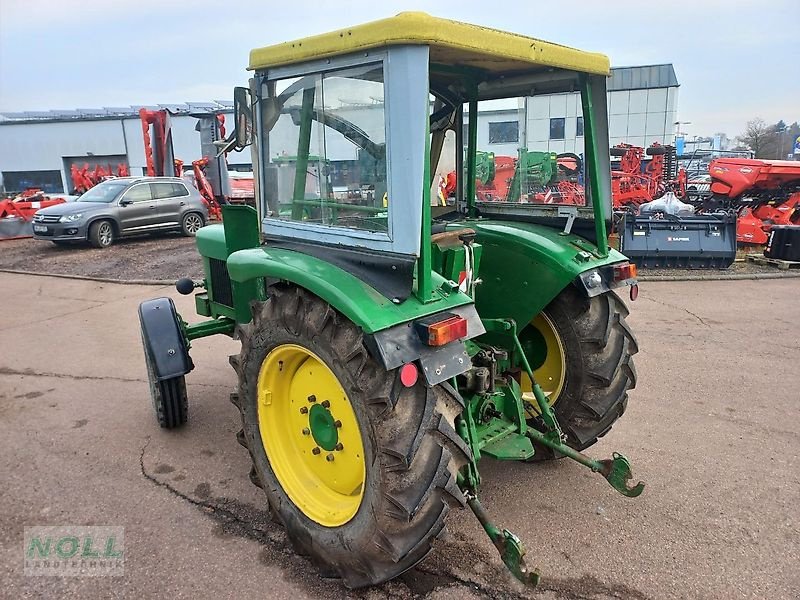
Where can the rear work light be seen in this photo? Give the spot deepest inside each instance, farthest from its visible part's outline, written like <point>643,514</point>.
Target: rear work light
<point>439,330</point>
<point>624,272</point>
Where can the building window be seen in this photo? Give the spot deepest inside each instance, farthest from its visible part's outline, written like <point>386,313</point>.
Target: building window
<point>19,181</point>
<point>579,127</point>
<point>504,132</point>
<point>557,128</point>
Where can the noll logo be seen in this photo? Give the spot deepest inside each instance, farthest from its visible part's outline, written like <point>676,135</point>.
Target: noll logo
<point>671,238</point>
<point>77,551</point>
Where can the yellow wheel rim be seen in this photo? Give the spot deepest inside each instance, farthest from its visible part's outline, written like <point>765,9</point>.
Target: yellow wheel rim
<point>549,367</point>
<point>310,434</point>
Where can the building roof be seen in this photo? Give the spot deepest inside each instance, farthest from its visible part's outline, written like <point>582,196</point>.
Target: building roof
<point>450,42</point>
<point>642,78</point>
<point>114,112</point>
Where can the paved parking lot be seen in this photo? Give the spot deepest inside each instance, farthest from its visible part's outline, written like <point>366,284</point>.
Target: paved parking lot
<point>713,429</point>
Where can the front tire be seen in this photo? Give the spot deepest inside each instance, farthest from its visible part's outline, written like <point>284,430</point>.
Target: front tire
<point>169,397</point>
<point>101,234</point>
<point>588,381</point>
<point>299,352</point>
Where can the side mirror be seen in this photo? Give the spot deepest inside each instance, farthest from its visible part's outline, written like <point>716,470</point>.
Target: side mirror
<point>125,202</point>
<point>243,117</point>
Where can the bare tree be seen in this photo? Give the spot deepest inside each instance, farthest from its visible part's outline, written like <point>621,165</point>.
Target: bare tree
<point>759,137</point>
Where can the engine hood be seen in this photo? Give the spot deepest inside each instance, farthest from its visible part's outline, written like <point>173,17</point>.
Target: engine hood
<point>70,208</point>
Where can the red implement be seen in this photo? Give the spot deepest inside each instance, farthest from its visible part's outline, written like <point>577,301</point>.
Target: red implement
<point>16,213</point>
<point>763,192</point>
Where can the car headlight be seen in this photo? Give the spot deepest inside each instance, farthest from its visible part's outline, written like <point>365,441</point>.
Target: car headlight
<point>70,218</point>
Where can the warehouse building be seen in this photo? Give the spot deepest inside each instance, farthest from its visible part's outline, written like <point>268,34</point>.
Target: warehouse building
<point>38,149</point>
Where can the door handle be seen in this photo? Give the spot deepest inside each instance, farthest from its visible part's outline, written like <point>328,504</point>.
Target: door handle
<point>152,207</point>
<point>183,203</point>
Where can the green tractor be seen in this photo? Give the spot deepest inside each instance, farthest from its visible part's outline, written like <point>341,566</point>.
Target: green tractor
<point>386,346</point>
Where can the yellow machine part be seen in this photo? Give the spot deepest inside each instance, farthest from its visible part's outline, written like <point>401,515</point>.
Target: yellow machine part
<point>311,435</point>
<point>551,374</point>
<point>450,42</point>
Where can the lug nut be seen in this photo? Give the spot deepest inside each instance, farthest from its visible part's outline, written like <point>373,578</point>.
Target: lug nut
<point>316,451</point>
<point>329,458</point>
<point>303,410</point>
<point>306,431</point>
<point>312,398</point>
<point>337,423</point>
<point>326,404</point>
<point>339,447</point>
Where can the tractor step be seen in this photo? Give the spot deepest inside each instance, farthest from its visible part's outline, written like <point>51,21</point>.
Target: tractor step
<point>514,446</point>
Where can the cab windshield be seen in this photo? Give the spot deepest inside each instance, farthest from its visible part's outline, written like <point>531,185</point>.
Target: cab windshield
<point>104,192</point>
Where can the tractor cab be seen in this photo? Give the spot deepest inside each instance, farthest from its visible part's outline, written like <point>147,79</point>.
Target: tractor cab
<point>418,288</point>
<point>359,131</point>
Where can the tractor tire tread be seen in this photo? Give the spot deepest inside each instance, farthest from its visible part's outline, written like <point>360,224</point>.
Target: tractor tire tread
<point>417,451</point>
<point>600,366</point>
<point>173,409</point>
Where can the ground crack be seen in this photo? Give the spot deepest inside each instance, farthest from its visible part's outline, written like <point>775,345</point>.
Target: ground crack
<point>32,373</point>
<point>676,307</point>
<point>227,513</point>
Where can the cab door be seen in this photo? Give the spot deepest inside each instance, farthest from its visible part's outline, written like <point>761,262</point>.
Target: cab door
<point>138,208</point>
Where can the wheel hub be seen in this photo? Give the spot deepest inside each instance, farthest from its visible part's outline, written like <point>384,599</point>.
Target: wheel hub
<point>323,427</point>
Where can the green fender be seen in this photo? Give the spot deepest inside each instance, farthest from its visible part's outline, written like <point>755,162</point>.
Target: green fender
<point>524,266</point>
<point>358,301</point>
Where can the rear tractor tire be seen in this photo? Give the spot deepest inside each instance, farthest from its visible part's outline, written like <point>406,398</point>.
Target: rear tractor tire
<point>359,469</point>
<point>581,350</point>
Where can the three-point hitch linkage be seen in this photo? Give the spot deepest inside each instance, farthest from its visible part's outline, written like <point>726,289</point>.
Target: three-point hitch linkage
<point>616,470</point>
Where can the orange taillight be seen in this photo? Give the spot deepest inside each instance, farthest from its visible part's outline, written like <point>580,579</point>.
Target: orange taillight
<point>444,332</point>
<point>624,272</point>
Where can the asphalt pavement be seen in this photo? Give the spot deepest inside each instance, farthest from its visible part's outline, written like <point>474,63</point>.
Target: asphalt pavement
<point>712,428</point>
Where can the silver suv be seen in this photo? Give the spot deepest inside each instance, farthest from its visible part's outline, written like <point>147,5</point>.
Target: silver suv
<point>120,207</point>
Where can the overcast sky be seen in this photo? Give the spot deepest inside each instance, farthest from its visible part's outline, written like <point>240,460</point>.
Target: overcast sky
<point>734,60</point>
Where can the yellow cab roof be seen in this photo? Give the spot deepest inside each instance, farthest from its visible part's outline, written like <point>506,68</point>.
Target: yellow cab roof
<point>451,43</point>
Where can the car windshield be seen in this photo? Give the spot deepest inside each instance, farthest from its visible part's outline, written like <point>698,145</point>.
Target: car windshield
<point>104,192</point>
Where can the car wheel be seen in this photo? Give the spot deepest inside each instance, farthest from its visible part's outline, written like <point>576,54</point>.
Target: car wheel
<point>191,223</point>
<point>101,234</point>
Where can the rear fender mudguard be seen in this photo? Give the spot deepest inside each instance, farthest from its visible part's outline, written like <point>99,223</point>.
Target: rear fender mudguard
<point>387,325</point>
<point>358,301</point>
<point>524,266</point>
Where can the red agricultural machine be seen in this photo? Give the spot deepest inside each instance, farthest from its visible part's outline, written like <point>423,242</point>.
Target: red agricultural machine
<point>84,178</point>
<point>16,213</point>
<point>210,173</point>
<point>635,183</point>
<point>532,177</point>
<point>763,193</point>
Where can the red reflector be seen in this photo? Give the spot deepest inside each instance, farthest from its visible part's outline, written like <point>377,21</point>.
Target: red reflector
<point>634,292</point>
<point>409,374</point>
<point>446,331</point>
<point>623,272</point>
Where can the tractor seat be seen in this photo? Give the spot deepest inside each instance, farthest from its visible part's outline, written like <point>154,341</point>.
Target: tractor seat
<point>452,238</point>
